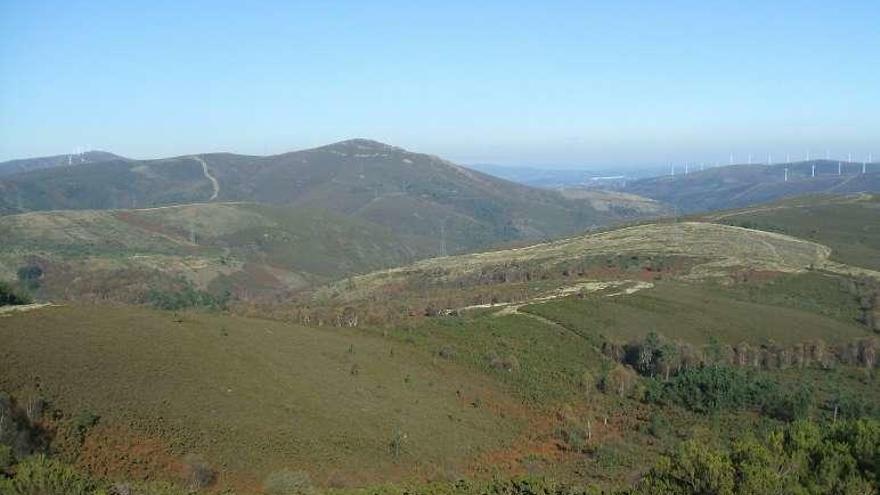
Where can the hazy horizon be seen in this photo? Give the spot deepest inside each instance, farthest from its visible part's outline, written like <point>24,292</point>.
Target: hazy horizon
<point>561,85</point>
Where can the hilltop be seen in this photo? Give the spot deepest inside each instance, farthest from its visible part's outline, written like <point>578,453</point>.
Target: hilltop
<point>27,164</point>
<point>737,186</point>
<point>848,224</point>
<point>421,198</point>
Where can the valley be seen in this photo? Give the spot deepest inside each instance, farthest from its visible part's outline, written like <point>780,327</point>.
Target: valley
<point>221,344</point>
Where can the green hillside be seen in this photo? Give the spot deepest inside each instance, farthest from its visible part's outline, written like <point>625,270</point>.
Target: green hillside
<point>850,225</point>
<point>589,363</point>
<point>251,396</point>
<point>418,196</point>
<point>249,249</point>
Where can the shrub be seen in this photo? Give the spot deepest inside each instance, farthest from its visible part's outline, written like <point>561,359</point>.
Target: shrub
<point>446,352</point>
<point>288,482</point>
<point>40,475</point>
<point>198,472</point>
<point>6,457</point>
<point>789,406</point>
<point>188,297</point>
<point>83,422</point>
<point>9,296</point>
<point>658,426</point>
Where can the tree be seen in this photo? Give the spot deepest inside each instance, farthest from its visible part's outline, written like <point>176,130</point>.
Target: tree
<point>619,380</point>
<point>691,469</point>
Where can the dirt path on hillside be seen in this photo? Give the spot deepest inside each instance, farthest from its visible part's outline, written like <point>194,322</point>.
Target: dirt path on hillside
<point>509,308</point>
<point>214,183</point>
<point>23,308</point>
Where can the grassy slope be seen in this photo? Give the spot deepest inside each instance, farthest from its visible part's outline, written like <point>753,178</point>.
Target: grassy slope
<point>220,243</point>
<point>849,225</point>
<point>255,395</point>
<point>696,313</point>
<point>715,249</point>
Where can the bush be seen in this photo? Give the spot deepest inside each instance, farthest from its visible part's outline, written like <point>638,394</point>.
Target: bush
<point>9,296</point>
<point>6,457</point>
<point>188,297</point>
<point>40,475</point>
<point>288,482</point>
<point>198,472</point>
<point>83,422</point>
<point>789,406</point>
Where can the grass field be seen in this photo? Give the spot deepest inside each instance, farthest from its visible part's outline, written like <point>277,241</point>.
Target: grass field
<point>850,225</point>
<point>253,395</point>
<point>697,313</point>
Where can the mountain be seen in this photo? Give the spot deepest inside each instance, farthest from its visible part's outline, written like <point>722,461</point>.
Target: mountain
<point>28,164</point>
<point>421,198</point>
<point>737,186</point>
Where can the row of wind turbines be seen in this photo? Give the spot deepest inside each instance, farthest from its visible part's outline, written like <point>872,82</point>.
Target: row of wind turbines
<point>840,163</point>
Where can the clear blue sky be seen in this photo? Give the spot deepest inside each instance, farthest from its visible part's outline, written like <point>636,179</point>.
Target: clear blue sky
<point>566,83</point>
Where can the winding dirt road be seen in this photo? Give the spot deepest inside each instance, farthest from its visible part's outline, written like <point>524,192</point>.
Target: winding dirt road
<point>214,183</point>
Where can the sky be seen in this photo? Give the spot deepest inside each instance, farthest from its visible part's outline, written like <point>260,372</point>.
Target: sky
<point>551,83</point>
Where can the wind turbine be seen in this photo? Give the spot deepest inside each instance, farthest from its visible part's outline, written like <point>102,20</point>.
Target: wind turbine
<point>786,174</point>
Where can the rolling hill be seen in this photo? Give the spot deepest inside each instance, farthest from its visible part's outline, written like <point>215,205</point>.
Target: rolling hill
<point>848,224</point>
<point>421,198</point>
<point>249,249</point>
<point>737,186</point>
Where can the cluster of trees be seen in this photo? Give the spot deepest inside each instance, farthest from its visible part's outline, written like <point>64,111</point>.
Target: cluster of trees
<point>721,378</point>
<point>656,356</point>
<point>187,297</point>
<point>722,388</point>
<point>867,290</point>
<point>799,458</point>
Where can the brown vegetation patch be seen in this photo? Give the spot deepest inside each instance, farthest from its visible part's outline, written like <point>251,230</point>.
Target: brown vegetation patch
<point>114,451</point>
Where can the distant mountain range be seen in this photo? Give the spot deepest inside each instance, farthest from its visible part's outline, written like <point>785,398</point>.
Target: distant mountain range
<point>737,186</point>
<point>432,205</point>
